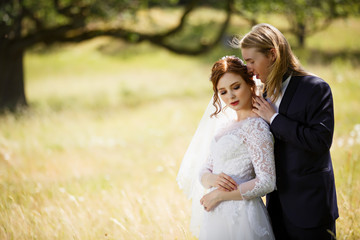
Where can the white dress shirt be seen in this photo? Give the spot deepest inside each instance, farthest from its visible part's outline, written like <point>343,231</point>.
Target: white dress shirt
<point>278,101</point>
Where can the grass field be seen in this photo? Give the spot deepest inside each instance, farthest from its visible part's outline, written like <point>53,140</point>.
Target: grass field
<point>97,153</point>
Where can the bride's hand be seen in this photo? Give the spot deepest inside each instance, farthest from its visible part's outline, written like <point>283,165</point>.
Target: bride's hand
<point>211,200</point>
<point>224,182</point>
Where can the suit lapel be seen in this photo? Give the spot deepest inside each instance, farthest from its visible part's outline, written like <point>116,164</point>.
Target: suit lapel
<point>289,93</point>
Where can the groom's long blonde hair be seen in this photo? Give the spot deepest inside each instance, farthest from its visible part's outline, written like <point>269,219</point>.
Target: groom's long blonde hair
<point>265,37</point>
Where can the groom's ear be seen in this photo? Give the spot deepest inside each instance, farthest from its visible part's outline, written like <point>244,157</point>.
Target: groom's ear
<point>273,54</point>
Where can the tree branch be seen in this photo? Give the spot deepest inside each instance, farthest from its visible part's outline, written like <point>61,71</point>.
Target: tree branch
<point>27,13</point>
<point>188,9</point>
<point>202,48</point>
<point>158,39</point>
<point>72,33</point>
<point>66,11</point>
<point>60,34</point>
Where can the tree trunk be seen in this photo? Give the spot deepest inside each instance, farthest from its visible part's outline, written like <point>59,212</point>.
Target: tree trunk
<point>12,91</point>
<point>301,35</point>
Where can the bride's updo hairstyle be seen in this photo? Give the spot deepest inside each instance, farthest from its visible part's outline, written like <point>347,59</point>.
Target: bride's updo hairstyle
<point>228,64</point>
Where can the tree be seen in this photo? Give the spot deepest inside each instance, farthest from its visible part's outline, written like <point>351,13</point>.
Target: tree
<point>307,17</point>
<point>25,23</point>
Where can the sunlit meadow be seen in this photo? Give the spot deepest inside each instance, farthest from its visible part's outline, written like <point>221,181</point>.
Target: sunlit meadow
<point>97,153</point>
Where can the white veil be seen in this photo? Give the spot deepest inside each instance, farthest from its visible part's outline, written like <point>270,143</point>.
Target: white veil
<point>194,158</point>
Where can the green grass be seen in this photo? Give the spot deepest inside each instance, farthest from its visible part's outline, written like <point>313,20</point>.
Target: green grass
<point>97,153</point>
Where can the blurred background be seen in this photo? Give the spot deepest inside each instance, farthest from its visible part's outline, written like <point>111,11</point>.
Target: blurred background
<point>99,100</point>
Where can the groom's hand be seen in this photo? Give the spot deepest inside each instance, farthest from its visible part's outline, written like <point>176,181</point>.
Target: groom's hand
<point>224,182</point>
<point>263,108</point>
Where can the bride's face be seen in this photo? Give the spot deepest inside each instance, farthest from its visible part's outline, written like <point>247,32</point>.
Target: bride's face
<point>234,91</point>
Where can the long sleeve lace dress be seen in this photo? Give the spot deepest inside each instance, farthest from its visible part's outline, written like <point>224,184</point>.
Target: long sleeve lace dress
<point>244,151</point>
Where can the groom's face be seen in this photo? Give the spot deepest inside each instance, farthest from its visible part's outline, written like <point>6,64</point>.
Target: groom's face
<point>258,63</point>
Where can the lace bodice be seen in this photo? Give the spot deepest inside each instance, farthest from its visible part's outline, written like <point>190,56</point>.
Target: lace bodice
<point>244,151</point>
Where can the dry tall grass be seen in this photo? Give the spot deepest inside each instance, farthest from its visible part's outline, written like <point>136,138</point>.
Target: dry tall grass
<point>97,154</point>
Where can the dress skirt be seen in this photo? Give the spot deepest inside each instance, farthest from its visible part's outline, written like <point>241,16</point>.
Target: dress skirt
<point>237,220</point>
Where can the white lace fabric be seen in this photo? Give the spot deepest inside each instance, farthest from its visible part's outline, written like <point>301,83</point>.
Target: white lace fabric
<point>244,151</point>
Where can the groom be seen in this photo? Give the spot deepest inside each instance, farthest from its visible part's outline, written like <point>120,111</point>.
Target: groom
<point>301,118</point>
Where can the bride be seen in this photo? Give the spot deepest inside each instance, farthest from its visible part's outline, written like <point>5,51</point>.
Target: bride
<point>231,155</point>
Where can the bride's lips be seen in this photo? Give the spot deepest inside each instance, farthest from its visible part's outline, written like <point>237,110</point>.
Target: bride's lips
<point>234,103</point>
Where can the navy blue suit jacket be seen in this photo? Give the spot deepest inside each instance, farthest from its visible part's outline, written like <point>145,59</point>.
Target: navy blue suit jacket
<point>303,132</point>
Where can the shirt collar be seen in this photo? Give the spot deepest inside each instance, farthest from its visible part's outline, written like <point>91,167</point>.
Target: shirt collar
<point>285,82</point>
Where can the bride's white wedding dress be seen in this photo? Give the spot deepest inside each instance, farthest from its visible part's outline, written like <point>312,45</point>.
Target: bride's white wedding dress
<point>244,151</point>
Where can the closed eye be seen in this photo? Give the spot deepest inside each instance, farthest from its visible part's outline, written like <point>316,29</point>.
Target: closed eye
<point>222,92</point>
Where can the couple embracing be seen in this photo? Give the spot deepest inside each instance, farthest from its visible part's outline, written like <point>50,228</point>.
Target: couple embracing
<point>276,144</point>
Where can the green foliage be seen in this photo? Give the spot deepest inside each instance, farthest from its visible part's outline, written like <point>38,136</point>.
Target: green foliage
<point>44,14</point>
<point>317,17</point>
<point>255,6</point>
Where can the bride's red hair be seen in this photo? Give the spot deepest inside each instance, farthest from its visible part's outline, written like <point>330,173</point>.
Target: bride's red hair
<point>228,64</point>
